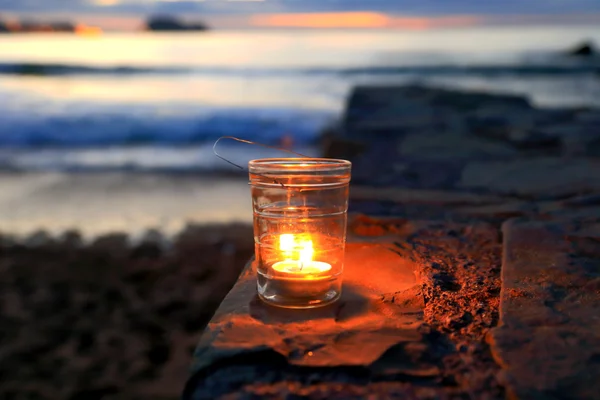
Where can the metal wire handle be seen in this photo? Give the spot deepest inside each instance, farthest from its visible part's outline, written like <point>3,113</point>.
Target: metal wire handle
<point>256,144</point>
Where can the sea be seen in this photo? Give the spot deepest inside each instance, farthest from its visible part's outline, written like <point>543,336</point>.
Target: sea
<point>158,102</point>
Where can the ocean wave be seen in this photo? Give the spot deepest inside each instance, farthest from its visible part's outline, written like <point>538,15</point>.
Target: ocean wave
<point>39,69</point>
<point>134,127</point>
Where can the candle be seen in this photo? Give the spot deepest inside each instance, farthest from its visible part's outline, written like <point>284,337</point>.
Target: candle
<point>297,269</point>
<point>298,252</point>
<point>298,276</point>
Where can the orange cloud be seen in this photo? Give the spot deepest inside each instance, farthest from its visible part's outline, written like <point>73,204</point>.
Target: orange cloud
<point>358,20</point>
<point>89,31</point>
<point>110,23</point>
<point>322,20</point>
<point>438,22</point>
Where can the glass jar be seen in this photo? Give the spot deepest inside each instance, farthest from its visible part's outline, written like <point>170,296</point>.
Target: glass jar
<point>300,214</point>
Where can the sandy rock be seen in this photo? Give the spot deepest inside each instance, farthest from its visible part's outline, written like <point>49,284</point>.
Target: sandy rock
<point>547,341</point>
<point>373,341</point>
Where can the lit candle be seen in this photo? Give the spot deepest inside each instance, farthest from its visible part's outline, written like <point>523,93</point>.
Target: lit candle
<point>293,269</point>
<point>298,252</point>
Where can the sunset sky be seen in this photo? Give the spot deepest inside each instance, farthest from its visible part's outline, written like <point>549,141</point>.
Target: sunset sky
<point>405,14</point>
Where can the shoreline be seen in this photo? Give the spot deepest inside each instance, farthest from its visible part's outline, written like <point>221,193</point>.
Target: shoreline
<point>96,204</point>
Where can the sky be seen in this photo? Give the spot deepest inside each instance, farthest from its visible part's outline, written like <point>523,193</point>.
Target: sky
<point>411,14</point>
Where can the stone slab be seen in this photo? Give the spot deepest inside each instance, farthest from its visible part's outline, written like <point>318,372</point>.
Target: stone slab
<point>548,341</point>
<point>356,349</point>
<point>244,323</point>
<point>356,331</point>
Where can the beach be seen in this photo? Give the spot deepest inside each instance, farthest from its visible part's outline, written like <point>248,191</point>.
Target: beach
<point>108,278</point>
<point>121,231</point>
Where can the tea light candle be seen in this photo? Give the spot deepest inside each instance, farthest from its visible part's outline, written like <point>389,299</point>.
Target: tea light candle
<point>298,269</point>
<point>298,275</point>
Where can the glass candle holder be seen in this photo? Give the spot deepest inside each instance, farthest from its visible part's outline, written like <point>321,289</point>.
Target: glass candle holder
<point>300,214</point>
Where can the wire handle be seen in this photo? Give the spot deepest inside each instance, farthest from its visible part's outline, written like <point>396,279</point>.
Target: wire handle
<point>256,144</point>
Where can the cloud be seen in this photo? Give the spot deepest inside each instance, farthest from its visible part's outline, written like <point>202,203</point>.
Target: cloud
<point>407,7</point>
<point>322,20</point>
<point>359,20</point>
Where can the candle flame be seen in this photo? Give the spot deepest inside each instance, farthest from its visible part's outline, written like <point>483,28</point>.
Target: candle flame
<point>296,247</point>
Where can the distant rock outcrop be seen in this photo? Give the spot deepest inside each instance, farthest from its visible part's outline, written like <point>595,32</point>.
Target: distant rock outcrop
<point>166,23</point>
<point>62,27</point>
<point>29,26</point>
<point>585,49</point>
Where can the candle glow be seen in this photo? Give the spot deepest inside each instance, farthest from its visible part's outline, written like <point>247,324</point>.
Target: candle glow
<point>298,248</point>
<point>298,253</point>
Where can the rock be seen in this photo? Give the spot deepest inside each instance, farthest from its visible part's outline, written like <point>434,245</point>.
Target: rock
<point>405,172</point>
<point>166,23</point>
<point>547,340</point>
<point>397,110</point>
<point>585,49</point>
<point>155,237</point>
<point>418,196</point>
<point>114,244</point>
<point>7,241</point>
<point>71,239</point>
<point>39,239</point>
<point>354,332</point>
<point>358,349</point>
<point>146,250</point>
<point>549,132</point>
<point>539,178</point>
<point>503,211</point>
<point>439,139</point>
<point>583,201</point>
<point>342,148</point>
<point>159,352</point>
<point>444,146</point>
<point>95,393</point>
<point>458,321</point>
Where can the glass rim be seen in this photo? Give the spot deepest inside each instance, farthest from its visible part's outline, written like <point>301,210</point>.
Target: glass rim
<point>298,164</point>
